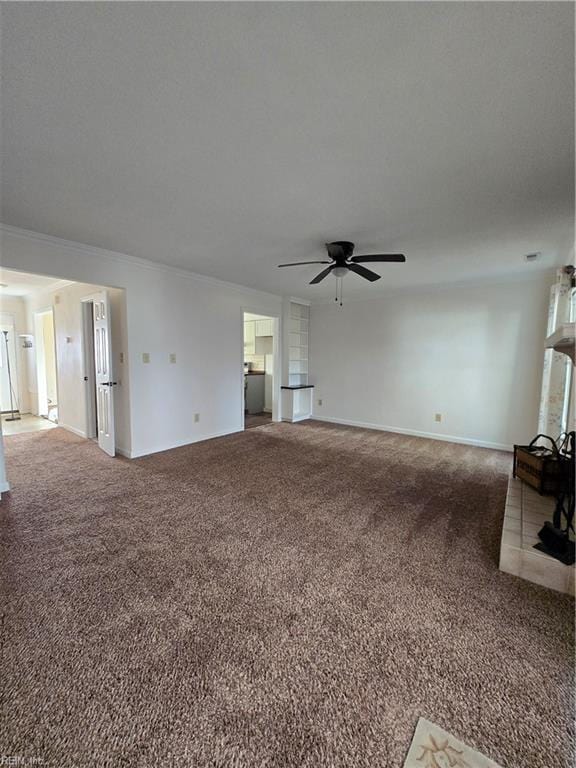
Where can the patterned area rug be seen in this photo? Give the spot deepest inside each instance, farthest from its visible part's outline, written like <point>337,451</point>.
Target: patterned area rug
<point>433,747</point>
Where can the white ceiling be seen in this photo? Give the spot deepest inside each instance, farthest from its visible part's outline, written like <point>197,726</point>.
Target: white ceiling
<point>229,137</point>
<point>23,284</point>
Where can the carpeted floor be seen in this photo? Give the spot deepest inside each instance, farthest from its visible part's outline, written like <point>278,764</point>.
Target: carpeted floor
<point>291,596</point>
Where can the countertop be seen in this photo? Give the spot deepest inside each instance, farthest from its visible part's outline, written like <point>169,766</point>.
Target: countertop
<point>254,373</point>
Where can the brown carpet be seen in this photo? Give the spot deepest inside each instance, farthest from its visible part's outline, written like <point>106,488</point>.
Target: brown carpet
<point>290,596</point>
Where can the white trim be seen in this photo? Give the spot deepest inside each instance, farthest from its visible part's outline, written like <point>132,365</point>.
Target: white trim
<point>4,487</point>
<point>306,418</point>
<point>181,443</point>
<point>81,249</point>
<point>74,430</point>
<point>277,352</point>
<point>88,365</point>
<point>40,359</point>
<point>124,452</point>
<point>418,433</point>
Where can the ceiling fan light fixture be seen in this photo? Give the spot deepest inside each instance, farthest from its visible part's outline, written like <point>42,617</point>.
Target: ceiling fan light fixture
<point>340,271</point>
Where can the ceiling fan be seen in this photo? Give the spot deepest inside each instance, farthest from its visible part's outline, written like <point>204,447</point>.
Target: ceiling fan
<point>341,262</point>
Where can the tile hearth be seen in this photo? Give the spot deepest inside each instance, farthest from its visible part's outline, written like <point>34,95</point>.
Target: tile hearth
<point>525,514</point>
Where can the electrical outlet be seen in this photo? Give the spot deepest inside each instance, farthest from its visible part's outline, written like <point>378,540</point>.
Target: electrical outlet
<point>196,418</point>
<point>320,401</point>
<point>121,357</point>
<point>172,357</point>
<point>145,357</point>
<point>437,417</point>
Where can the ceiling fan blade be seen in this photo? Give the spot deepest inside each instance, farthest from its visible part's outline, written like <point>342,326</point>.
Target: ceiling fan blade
<point>298,263</point>
<point>322,275</point>
<point>379,257</point>
<point>363,272</point>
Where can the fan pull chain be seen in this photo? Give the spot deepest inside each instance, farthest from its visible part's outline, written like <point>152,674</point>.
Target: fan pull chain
<point>339,290</point>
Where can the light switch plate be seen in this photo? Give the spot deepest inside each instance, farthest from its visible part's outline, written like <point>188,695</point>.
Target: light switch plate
<point>172,357</point>
<point>437,417</point>
<point>121,357</point>
<point>145,357</point>
<point>196,418</point>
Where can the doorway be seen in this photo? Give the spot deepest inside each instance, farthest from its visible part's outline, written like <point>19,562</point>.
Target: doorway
<point>260,337</point>
<point>46,367</point>
<point>60,377</point>
<point>97,367</point>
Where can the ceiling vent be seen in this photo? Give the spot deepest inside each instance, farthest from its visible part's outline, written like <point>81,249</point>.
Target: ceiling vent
<point>533,256</point>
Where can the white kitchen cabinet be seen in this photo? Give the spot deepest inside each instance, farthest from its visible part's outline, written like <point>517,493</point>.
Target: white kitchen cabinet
<point>264,327</point>
<point>249,337</point>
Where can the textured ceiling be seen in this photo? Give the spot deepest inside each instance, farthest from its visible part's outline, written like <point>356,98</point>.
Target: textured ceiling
<point>227,138</point>
<point>22,284</point>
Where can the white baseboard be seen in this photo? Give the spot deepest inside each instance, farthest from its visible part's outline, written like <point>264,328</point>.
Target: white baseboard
<point>181,443</point>
<point>300,418</point>
<point>418,433</point>
<point>79,432</point>
<point>4,487</point>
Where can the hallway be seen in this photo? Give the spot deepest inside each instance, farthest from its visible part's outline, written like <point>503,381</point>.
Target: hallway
<point>27,423</point>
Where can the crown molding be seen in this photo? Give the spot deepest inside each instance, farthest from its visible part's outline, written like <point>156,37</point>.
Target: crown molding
<point>82,250</point>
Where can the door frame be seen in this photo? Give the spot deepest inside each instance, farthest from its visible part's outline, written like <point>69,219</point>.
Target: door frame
<point>89,366</point>
<point>276,352</point>
<point>89,372</point>
<point>40,356</point>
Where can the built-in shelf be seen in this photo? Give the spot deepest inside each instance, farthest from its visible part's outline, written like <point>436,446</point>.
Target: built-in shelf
<point>297,394</point>
<point>298,343</point>
<point>563,340</point>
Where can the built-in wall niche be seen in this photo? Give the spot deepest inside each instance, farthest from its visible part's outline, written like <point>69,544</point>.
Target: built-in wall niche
<point>298,325</point>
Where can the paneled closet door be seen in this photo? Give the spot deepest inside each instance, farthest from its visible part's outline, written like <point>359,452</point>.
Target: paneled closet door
<point>104,380</point>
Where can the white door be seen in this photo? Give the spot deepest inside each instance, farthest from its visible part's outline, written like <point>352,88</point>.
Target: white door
<point>104,381</point>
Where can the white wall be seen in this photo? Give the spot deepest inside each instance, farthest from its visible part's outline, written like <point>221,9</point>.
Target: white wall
<point>472,353</point>
<point>49,338</point>
<point>13,309</point>
<point>167,310</point>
